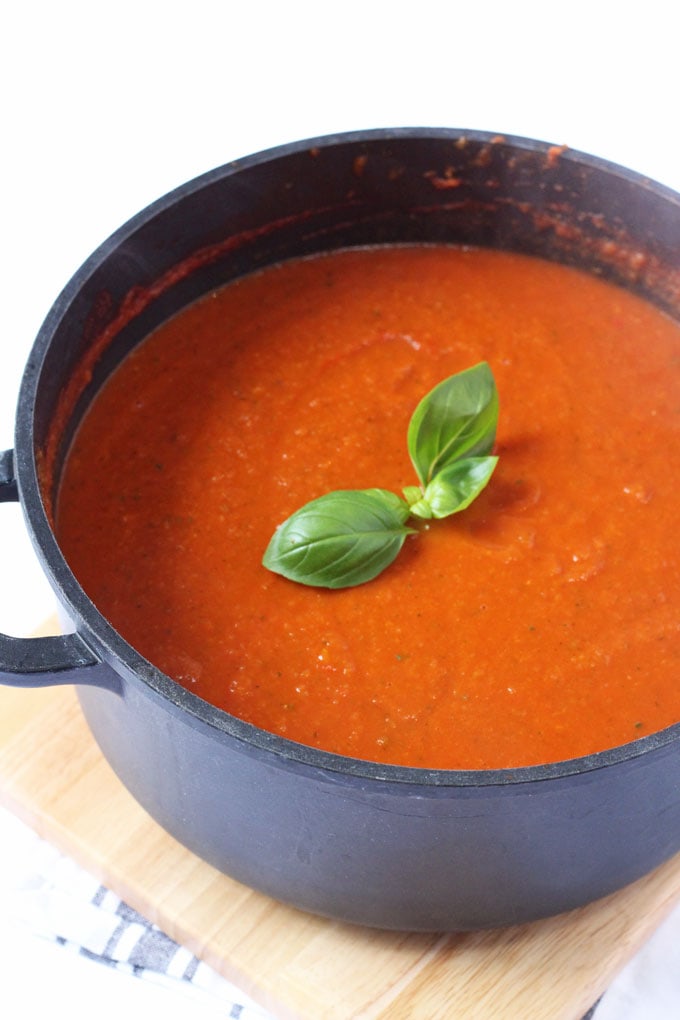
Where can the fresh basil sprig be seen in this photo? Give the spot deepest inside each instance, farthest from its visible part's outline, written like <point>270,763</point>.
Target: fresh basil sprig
<point>348,537</point>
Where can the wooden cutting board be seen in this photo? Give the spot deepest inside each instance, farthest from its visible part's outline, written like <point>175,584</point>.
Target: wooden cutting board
<point>298,966</point>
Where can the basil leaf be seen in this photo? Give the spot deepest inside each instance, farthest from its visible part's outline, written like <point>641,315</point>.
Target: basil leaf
<point>455,487</point>
<point>457,418</point>
<point>341,539</point>
<point>412,494</point>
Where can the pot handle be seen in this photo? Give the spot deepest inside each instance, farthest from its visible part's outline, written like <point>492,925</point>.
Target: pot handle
<point>45,661</point>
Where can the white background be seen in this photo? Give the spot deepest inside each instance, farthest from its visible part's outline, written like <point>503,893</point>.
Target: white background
<point>106,106</point>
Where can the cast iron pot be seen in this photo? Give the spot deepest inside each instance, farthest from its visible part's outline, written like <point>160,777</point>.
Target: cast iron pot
<point>380,845</point>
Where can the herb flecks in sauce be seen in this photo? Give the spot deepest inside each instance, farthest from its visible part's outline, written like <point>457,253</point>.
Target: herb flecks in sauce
<point>348,537</point>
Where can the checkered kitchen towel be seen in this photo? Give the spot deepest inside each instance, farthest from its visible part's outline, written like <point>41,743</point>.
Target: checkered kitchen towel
<point>53,897</point>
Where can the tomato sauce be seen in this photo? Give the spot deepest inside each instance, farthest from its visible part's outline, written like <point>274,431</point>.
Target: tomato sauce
<point>539,624</point>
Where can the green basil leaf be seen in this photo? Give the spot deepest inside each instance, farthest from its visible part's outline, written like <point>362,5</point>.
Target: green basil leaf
<point>341,539</point>
<point>458,418</point>
<point>412,494</point>
<point>455,487</point>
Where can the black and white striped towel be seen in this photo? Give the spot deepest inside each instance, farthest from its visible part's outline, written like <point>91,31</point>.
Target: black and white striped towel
<point>54,898</point>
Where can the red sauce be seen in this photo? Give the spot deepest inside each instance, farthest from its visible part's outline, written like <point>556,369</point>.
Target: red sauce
<point>540,624</point>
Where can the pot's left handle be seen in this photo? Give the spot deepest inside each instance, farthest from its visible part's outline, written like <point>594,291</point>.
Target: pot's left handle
<point>45,661</point>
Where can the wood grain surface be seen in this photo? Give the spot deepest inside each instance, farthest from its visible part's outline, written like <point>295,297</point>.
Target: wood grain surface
<point>54,777</point>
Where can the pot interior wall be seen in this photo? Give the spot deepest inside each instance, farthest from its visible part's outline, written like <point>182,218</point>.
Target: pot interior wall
<point>373,188</point>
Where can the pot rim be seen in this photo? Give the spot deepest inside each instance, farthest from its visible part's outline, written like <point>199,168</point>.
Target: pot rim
<point>123,658</point>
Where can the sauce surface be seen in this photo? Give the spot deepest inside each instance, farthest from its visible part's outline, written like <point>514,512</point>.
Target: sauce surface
<point>539,624</point>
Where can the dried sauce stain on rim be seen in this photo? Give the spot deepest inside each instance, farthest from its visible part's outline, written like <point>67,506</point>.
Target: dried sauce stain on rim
<point>399,319</point>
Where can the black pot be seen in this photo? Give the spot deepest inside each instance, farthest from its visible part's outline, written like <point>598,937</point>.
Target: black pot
<point>380,845</point>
